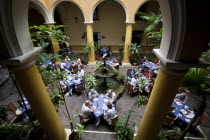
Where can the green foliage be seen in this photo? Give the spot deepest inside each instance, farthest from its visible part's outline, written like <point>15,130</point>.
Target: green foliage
<point>3,113</point>
<point>141,101</point>
<point>141,83</point>
<point>90,80</point>
<point>12,132</point>
<point>120,77</point>
<point>206,56</point>
<point>121,48</point>
<point>155,38</point>
<point>88,47</point>
<point>195,78</point>
<point>109,85</point>
<point>43,32</point>
<point>80,130</point>
<point>152,19</point>
<point>43,57</point>
<point>42,44</point>
<point>169,134</point>
<point>36,132</point>
<point>97,47</point>
<point>124,129</point>
<point>135,49</point>
<point>57,99</point>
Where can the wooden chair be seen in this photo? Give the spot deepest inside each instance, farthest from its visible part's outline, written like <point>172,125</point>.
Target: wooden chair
<point>82,120</point>
<point>87,91</point>
<point>201,120</point>
<point>116,98</point>
<point>79,88</point>
<point>17,112</point>
<point>131,91</point>
<point>114,120</point>
<point>128,72</point>
<point>168,123</point>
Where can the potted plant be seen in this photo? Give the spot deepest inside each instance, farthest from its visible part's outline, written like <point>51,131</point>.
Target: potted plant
<point>124,127</point>
<point>3,114</point>
<point>90,81</point>
<point>135,53</point>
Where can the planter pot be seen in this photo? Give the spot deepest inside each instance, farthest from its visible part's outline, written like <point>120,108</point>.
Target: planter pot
<point>74,136</point>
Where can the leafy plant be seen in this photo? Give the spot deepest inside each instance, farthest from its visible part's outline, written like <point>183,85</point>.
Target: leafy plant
<point>109,85</point>
<point>3,113</point>
<point>173,134</point>
<point>153,21</point>
<point>135,49</point>
<point>90,80</point>
<point>88,47</point>
<point>121,48</point>
<point>206,56</point>
<point>57,99</point>
<point>80,130</point>
<point>97,47</point>
<point>124,127</point>
<point>141,83</point>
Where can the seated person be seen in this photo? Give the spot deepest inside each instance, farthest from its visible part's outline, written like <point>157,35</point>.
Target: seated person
<point>69,76</point>
<point>142,60</point>
<point>67,59</point>
<point>80,72</point>
<point>92,94</point>
<point>111,95</point>
<point>63,85</point>
<point>150,74</point>
<point>79,63</point>
<point>78,60</point>
<point>182,97</point>
<point>116,64</point>
<point>87,110</point>
<point>145,72</point>
<point>113,60</point>
<point>133,72</point>
<point>171,114</point>
<point>62,66</point>
<point>149,86</point>
<point>106,52</point>
<point>76,81</point>
<point>133,82</point>
<point>109,113</point>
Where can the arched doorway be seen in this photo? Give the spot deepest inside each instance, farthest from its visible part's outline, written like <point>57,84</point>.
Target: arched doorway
<point>72,18</point>
<point>109,24</point>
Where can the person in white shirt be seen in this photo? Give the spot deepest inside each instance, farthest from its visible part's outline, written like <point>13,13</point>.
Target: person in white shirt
<point>67,59</point>
<point>80,72</point>
<point>110,113</point>
<point>111,95</point>
<point>87,109</point>
<point>92,94</point>
<point>62,66</point>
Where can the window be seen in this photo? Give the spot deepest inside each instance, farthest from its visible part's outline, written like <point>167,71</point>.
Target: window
<point>96,14</point>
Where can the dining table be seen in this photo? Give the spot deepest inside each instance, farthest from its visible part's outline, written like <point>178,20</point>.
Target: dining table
<point>179,109</point>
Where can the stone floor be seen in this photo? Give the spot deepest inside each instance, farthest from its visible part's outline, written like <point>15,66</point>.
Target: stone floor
<point>9,93</point>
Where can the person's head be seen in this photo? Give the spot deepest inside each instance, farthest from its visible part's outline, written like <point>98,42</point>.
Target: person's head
<point>92,91</point>
<point>145,57</point>
<point>135,69</point>
<point>87,103</point>
<point>183,95</point>
<point>79,69</point>
<point>109,105</point>
<point>67,57</point>
<point>76,77</point>
<point>109,91</point>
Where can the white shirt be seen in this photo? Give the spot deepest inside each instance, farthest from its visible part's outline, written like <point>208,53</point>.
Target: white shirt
<point>90,96</point>
<point>86,111</point>
<point>110,113</point>
<point>81,73</point>
<point>63,65</point>
<point>133,81</point>
<point>78,81</point>
<point>112,98</point>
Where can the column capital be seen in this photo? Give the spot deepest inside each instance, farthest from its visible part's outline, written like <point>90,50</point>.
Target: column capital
<point>50,23</point>
<point>129,23</point>
<point>88,23</point>
<point>23,61</point>
<point>179,66</point>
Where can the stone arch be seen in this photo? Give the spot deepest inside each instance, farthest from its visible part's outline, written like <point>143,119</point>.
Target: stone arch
<point>100,1</point>
<point>56,3</point>
<point>41,9</point>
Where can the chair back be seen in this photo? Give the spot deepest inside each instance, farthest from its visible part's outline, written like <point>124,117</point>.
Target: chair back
<point>79,87</point>
<point>113,120</point>
<point>128,72</point>
<point>12,107</point>
<point>168,122</point>
<point>131,91</point>
<point>202,119</point>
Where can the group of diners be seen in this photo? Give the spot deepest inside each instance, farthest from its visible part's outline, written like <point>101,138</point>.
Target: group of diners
<point>68,64</point>
<point>136,74</point>
<point>72,79</point>
<point>180,113</point>
<point>100,106</point>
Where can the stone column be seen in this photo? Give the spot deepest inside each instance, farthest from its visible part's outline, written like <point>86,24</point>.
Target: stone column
<point>30,81</point>
<point>55,43</point>
<point>162,96</point>
<point>90,40</point>
<point>128,39</point>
